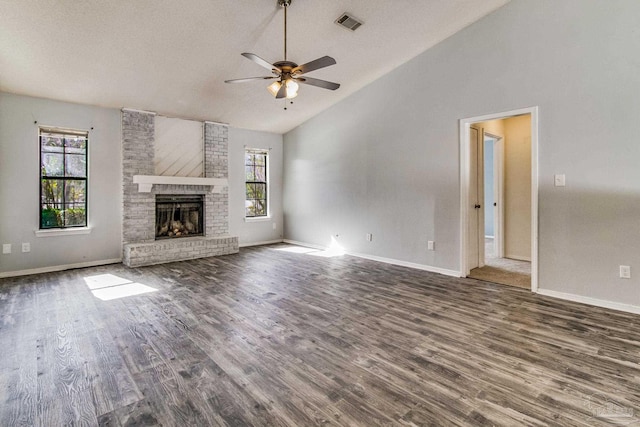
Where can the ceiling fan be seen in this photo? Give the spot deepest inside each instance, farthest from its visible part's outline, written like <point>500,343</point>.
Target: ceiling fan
<point>287,73</point>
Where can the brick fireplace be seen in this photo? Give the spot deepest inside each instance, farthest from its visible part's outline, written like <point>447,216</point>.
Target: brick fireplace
<point>141,187</point>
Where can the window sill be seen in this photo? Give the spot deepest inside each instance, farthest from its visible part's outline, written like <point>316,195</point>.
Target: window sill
<point>257,218</point>
<point>54,232</point>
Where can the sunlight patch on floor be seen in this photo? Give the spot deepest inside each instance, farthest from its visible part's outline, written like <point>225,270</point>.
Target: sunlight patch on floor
<point>109,287</point>
<point>296,250</point>
<point>329,253</point>
<point>333,250</point>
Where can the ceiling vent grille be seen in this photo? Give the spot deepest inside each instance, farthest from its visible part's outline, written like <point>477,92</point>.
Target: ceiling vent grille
<point>349,22</point>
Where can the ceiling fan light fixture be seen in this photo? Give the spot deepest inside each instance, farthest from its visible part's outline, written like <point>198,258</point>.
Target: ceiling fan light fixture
<point>292,88</point>
<point>274,87</point>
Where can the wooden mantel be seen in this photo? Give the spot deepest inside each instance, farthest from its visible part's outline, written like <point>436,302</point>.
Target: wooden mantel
<point>145,182</point>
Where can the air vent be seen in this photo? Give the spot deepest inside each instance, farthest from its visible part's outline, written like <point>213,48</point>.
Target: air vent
<point>349,22</point>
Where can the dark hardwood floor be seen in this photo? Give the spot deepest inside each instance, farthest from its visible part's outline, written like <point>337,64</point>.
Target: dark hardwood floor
<point>275,338</point>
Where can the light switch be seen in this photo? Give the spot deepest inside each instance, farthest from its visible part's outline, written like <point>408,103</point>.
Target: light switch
<point>559,180</point>
<point>625,272</point>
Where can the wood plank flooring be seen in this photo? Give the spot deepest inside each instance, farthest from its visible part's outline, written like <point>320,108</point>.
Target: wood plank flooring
<point>270,337</point>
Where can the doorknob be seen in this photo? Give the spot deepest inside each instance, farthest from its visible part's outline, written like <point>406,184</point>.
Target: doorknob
<point>477,206</point>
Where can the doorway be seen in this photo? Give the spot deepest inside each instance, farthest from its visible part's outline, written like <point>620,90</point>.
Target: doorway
<point>498,232</point>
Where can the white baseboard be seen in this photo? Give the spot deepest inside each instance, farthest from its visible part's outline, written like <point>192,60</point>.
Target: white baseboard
<point>423,267</point>
<point>628,308</point>
<point>59,268</point>
<point>267,242</point>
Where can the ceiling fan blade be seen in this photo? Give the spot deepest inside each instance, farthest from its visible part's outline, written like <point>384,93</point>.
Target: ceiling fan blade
<point>249,79</point>
<point>317,82</point>
<point>255,58</point>
<point>282,92</point>
<point>316,64</point>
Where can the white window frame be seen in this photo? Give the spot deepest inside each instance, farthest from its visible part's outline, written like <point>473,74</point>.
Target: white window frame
<point>265,152</point>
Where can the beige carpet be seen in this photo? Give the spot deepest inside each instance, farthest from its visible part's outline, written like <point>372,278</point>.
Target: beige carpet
<point>503,270</point>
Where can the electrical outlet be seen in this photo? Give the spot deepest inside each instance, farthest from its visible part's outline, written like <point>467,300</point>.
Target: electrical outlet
<point>369,237</point>
<point>26,247</point>
<point>6,248</point>
<point>625,272</point>
<point>431,245</point>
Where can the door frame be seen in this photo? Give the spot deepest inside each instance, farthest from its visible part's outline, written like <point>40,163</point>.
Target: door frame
<point>465,168</point>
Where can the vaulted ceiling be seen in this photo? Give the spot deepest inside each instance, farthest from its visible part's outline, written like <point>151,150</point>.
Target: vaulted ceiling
<point>172,57</point>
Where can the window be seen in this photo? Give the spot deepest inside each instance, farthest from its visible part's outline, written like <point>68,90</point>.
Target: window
<point>255,165</point>
<point>63,178</point>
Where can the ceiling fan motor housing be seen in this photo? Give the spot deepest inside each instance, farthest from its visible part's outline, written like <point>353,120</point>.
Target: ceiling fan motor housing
<point>286,67</point>
<point>284,3</point>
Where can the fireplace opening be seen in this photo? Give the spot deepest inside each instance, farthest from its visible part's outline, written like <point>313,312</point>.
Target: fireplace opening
<point>179,216</point>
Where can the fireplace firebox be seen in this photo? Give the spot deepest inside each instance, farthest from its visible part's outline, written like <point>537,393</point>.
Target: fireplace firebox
<point>179,216</point>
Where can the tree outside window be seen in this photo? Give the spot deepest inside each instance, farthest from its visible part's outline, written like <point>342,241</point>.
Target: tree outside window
<point>63,178</point>
<point>255,165</point>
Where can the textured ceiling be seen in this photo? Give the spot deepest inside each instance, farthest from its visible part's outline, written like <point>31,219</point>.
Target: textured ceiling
<point>172,57</point>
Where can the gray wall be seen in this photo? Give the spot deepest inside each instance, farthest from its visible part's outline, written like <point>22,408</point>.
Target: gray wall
<point>19,183</point>
<point>385,160</point>
<point>260,230</point>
